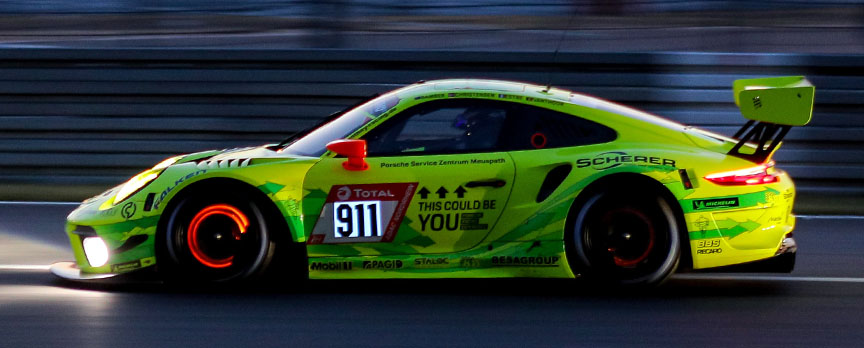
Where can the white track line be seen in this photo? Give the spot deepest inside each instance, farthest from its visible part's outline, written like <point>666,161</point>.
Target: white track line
<point>37,203</point>
<point>832,217</point>
<point>771,278</point>
<point>679,276</point>
<point>24,267</point>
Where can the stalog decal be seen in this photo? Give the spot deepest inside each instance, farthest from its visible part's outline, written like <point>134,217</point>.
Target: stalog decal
<point>363,213</point>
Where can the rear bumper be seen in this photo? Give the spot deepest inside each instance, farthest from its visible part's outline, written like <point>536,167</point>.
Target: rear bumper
<point>783,262</point>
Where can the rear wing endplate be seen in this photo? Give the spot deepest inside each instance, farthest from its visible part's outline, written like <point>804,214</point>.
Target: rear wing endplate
<point>772,105</point>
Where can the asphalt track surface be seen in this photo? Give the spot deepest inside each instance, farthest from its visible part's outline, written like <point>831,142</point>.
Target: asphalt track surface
<point>819,304</point>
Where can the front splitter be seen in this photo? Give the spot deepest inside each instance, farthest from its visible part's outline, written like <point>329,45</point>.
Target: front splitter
<point>69,270</point>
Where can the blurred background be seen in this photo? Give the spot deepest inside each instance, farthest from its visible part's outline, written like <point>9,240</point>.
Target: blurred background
<point>92,92</point>
<point>816,26</point>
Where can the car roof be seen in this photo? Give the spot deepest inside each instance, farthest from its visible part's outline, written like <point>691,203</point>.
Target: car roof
<point>543,92</point>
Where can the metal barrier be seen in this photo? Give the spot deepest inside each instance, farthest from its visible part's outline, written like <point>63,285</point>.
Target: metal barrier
<point>74,121</point>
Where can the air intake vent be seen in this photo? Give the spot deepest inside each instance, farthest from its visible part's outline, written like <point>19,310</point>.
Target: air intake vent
<point>553,179</point>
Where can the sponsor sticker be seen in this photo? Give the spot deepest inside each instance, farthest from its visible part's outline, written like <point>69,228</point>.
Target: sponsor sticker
<point>717,203</point>
<point>469,262</point>
<point>525,261</point>
<point>128,210</point>
<point>367,213</point>
<point>436,163</point>
<point>431,262</point>
<point>713,243</point>
<point>383,264</point>
<point>177,182</point>
<point>446,210</point>
<point>331,266</point>
<point>126,266</point>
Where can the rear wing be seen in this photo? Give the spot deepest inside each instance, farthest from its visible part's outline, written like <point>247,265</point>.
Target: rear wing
<point>772,105</point>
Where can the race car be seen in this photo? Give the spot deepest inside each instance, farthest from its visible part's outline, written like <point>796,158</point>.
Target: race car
<point>464,178</point>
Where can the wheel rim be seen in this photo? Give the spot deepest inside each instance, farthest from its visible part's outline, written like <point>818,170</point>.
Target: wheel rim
<point>630,236</point>
<point>214,235</point>
<point>649,262</point>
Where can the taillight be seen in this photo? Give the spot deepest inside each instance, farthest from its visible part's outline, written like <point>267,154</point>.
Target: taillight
<point>747,176</point>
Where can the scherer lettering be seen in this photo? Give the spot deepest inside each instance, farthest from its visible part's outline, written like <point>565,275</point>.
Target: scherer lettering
<point>609,160</point>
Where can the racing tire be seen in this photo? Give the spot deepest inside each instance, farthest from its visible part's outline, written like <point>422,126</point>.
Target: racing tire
<point>623,239</point>
<point>210,239</point>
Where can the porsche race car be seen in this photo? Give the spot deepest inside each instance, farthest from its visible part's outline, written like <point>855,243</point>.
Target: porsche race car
<point>464,178</point>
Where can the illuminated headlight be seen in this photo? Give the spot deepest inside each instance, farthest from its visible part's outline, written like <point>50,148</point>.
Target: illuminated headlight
<point>139,181</point>
<point>96,251</point>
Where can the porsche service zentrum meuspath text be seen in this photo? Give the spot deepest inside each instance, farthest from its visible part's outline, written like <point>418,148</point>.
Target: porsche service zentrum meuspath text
<point>462,179</point>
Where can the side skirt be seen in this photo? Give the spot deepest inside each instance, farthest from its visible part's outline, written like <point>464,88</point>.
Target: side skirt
<point>538,259</point>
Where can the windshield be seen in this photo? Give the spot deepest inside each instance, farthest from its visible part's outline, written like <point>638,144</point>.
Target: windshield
<point>314,144</point>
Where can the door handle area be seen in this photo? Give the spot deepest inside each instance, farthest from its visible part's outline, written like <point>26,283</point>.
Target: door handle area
<point>493,183</point>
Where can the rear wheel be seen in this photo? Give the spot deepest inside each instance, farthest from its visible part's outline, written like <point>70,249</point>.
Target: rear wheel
<point>215,239</point>
<point>620,238</point>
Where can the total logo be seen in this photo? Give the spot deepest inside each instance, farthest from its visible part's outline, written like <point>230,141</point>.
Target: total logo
<point>345,193</point>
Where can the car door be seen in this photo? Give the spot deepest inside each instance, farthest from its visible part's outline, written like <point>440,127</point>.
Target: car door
<point>436,183</point>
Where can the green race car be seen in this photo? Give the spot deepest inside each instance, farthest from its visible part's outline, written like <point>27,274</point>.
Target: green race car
<point>462,179</point>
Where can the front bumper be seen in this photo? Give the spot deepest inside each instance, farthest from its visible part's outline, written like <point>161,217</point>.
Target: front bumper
<point>127,230</point>
<point>69,270</point>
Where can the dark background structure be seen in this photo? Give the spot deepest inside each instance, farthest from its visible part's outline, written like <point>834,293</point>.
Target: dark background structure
<point>94,92</point>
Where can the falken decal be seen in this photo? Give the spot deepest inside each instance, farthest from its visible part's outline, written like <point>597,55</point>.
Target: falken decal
<point>364,213</point>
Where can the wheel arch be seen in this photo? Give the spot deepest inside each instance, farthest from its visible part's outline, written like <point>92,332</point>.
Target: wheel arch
<point>290,256</point>
<point>638,182</point>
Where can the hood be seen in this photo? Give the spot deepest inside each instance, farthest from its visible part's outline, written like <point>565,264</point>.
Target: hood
<point>236,157</point>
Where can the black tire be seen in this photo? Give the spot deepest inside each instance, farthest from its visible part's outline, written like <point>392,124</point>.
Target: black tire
<point>622,238</point>
<point>212,239</point>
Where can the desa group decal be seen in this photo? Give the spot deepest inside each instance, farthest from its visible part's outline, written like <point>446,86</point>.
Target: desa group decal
<point>365,213</point>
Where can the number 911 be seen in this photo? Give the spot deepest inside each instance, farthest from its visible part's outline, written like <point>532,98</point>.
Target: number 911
<point>357,219</point>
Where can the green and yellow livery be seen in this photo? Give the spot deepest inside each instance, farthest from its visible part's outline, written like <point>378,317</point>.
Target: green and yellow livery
<point>461,179</point>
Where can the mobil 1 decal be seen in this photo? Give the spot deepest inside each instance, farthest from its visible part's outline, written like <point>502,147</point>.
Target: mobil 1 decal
<point>447,210</point>
<point>363,213</point>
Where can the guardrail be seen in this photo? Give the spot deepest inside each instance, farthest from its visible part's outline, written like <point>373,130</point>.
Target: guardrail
<point>75,121</point>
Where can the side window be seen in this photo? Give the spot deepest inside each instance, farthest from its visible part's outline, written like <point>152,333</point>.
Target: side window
<point>539,128</point>
<point>441,126</point>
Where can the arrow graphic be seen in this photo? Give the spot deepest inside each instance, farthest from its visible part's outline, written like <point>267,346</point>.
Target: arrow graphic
<point>460,192</point>
<point>730,228</point>
<point>423,193</point>
<point>442,192</point>
<point>727,228</point>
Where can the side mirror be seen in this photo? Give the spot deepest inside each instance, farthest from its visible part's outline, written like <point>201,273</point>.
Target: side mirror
<point>354,149</point>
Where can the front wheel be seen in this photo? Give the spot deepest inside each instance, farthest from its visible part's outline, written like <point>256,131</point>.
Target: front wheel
<point>625,239</point>
<point>213,239</point>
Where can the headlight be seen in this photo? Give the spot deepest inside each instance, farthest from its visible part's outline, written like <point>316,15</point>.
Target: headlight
<point>96,251</point>
<point>139,181</point>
